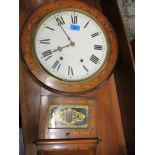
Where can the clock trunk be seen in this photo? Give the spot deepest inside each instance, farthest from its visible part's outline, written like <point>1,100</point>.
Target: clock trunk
<point>97,122</point>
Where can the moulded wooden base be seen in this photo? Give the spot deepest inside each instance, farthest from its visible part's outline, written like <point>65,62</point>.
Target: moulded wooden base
<point>68,147</point>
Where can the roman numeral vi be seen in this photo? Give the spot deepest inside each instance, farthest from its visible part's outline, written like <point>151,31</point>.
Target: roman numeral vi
<point>70,70</point>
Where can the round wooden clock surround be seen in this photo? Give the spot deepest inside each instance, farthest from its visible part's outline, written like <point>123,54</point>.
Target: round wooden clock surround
<point>49,81</point>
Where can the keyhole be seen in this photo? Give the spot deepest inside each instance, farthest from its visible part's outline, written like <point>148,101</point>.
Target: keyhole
<point>67,134</point>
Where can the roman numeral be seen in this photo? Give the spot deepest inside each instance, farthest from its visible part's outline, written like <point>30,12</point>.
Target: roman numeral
<point>85,68</point>
<point>48,58</point>
<point>46,53</point>
<point>98,47</point>
<point>45,41</point>
<point>57,65</point>
<point>94,34</point>
<point>86,25</point>
<point>49,28</point>
<point>74,19</point>
<point>70,70</point>
<point>94,59</point>
<point>60,20</point>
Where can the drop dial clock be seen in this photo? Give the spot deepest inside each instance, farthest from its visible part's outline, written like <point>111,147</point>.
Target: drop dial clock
<point>69,46</point>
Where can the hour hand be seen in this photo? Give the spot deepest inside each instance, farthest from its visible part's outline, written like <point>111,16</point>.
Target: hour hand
<point>59,48</point>
<point>49,53</point>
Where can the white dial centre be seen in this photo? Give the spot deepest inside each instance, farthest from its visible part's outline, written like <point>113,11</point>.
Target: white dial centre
<point>70,45</point>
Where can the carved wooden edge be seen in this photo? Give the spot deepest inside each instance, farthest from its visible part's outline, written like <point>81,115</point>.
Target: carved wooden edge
<point>44,78</point>
<point>67,145</point>
<point>65,141</point>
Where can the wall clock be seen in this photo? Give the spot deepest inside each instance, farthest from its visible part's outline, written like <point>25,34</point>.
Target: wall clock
<point>69,46</point>
<point>68,49</point>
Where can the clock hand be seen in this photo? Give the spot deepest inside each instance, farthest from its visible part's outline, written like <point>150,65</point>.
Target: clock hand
<point>60,48</point>
<point>59,24</point>
<point>65,33</point>
<point>71,42</point>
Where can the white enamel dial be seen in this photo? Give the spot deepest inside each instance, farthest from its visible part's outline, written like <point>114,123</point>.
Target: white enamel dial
<point>70,45</point>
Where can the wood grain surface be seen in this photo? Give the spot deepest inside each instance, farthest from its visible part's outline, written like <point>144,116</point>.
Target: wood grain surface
<point>115,98</point>
<point>124,74</point>
<point>69,147</point>
<point>69,133</point>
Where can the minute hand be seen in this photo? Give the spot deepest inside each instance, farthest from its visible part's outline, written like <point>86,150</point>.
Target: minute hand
<point>66,33</point>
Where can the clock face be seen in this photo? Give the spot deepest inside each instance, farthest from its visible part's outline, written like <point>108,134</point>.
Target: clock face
<point>70,45</point>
